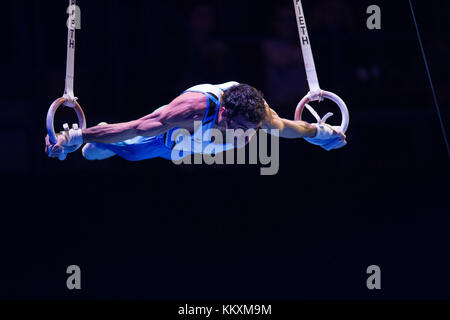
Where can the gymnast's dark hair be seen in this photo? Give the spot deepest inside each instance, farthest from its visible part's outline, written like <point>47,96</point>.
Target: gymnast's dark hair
<point>244,100</point>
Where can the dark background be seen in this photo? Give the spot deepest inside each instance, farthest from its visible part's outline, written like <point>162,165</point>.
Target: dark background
<point>153,230</point>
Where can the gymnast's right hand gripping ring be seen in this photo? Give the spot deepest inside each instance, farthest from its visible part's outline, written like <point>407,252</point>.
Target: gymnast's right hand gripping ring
<point>328,95</point>
<point>50,121</point>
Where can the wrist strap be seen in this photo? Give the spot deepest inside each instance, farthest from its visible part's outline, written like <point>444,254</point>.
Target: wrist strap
<point>323,131</point>
<point>74,136</point>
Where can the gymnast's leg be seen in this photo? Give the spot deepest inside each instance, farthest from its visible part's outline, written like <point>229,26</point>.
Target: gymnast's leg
<point>92,151</point>
<point>135,149</point>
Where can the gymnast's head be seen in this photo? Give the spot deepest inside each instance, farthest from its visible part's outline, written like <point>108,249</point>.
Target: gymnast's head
<point>243,107</point>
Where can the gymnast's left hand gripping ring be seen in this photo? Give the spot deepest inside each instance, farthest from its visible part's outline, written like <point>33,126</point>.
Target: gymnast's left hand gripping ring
<point>50,121</point>
<point>328,95</point>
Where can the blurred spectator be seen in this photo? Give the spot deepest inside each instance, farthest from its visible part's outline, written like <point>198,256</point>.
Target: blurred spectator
<point>206,54</point>
<point>439,51</point>
<point>332,15</point>
<point>285,82</point>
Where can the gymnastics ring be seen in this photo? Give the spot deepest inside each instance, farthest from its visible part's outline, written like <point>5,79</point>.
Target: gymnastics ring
<point>50,123</point>
<point>51,115</point>
<point>330,96</point>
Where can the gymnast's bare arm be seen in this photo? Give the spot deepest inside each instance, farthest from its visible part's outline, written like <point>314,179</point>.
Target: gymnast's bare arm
<point>290,129</point>
<point>179,113</point>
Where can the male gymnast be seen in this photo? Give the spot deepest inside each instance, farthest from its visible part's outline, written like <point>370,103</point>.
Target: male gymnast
<point>228,106</point>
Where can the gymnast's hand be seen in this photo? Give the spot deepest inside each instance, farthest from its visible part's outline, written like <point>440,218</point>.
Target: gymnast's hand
<point>328,137</point>
<point>55,150</point>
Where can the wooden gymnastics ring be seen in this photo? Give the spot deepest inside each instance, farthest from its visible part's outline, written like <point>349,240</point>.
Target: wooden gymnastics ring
<point>50,121</point>
<point>318,97</point>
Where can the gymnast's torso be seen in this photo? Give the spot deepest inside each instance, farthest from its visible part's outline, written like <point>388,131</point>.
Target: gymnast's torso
<point>173,146</point>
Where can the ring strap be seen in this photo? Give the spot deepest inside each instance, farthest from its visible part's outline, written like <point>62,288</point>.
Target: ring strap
<point>70,67</point>
<point>308,58</point>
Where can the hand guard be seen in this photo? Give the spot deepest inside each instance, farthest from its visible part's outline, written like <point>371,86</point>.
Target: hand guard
<point>74,136</point>
<point>326,134</point>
